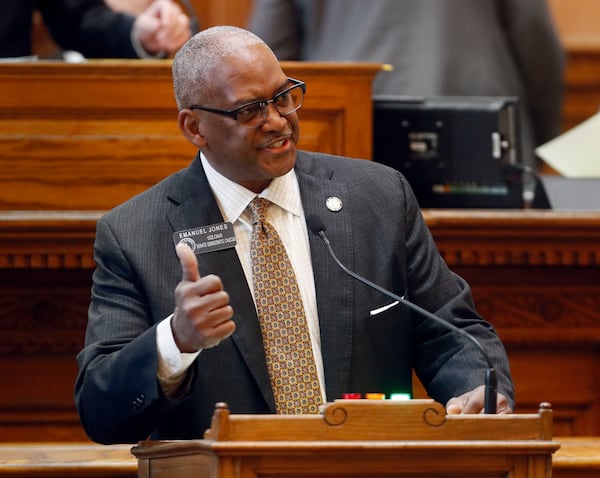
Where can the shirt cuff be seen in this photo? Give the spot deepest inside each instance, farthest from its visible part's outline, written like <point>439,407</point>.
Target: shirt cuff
<point>172,364</point>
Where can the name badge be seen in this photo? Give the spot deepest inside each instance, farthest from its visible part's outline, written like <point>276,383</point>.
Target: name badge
<point>207,238</point>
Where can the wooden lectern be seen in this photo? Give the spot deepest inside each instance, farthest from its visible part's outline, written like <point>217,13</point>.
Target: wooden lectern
<point>359,438</point>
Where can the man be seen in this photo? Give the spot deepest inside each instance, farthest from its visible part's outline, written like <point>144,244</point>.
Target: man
<point>166,340</point>
<point>436,48</point>
<point>91,28</point>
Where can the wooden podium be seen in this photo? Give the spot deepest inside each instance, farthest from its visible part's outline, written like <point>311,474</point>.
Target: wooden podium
<point>359,438</point>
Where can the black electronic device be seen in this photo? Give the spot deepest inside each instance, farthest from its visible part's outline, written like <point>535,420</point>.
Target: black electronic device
<point>456,152</point>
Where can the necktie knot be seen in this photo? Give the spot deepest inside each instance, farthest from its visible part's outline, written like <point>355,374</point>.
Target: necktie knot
<point>258,207</point>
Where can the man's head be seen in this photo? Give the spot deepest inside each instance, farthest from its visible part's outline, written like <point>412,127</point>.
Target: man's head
<point>222,69</point>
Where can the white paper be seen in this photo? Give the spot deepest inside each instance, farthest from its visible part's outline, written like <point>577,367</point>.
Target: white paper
<point>575,153</point>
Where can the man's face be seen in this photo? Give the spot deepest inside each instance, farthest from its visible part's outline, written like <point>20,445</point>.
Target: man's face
<point>250,157</point>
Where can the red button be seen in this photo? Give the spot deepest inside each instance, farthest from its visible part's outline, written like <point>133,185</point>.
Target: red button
<point>352,396</point>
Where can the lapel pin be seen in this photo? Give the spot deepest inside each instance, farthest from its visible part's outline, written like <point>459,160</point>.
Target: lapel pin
<point>334,204</point>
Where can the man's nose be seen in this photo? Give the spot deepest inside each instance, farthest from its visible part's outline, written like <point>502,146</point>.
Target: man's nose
<point>272,116</point>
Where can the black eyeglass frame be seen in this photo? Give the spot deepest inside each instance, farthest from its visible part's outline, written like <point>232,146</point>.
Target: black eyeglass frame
<point>262,103</point>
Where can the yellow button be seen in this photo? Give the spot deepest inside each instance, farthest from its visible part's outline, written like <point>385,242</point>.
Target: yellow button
<point>375,396</point>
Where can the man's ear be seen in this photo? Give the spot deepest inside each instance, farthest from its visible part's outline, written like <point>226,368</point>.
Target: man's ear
<point>190,127</point>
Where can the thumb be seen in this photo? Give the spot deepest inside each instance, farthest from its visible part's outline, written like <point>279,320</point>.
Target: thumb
<point>189,263</point>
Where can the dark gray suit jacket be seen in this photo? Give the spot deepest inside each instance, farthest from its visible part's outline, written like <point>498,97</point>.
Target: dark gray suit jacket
<point>379,233</point>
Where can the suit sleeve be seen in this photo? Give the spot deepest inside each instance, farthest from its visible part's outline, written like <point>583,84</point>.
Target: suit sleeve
<point>278,23</point>
<point>89,27</point>
<point>117,392</point>
<point>541,58</point>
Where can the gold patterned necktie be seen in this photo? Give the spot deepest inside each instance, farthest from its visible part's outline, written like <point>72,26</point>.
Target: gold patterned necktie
<point>286,339</point>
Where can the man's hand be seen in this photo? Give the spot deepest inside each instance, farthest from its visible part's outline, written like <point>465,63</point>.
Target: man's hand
<point>202,315</point>
<point>474,402</point>
<point>162,27</point>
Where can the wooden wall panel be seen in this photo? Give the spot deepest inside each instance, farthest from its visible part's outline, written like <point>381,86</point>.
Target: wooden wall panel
<point>582,86</point>
<point>579,29</point>
<point>577,22</point>
<point>89,136</point>
<point>223,12</point>
<point>534,275</point>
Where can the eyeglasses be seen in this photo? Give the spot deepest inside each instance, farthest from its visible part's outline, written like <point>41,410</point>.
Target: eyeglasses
<point>254,114</point>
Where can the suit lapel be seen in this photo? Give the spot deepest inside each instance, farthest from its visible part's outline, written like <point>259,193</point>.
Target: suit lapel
<point>197,207</point>
<point>334,289</point>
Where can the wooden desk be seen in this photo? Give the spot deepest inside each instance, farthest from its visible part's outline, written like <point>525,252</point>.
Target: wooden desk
<point>73,460</point>
<point>89,136</point>
<point>578,457</point>
<point>368,438</point>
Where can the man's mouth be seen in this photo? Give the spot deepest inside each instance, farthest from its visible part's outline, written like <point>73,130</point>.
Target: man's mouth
<point>276,144</point>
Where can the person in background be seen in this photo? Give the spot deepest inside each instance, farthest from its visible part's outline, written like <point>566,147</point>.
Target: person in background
<point>93,29</point>
<point>178,316</point>
<point>135,7</point>
<point>436,48</point>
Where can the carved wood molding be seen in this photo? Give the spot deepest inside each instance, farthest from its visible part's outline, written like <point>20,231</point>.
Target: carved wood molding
<point>516,238</point>
<point>535,239</point>
<point>547,317</point>
<point>53,321</point>
<point>43,319</point>
<point>47,239</point>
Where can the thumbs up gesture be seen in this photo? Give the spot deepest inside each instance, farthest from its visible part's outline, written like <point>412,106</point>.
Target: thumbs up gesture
<point>202,317</point>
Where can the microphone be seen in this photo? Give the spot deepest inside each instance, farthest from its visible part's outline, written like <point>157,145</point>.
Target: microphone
<point>317,227</point>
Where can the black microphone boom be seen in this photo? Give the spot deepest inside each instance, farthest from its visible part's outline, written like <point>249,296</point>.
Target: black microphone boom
<point>317,227</point>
